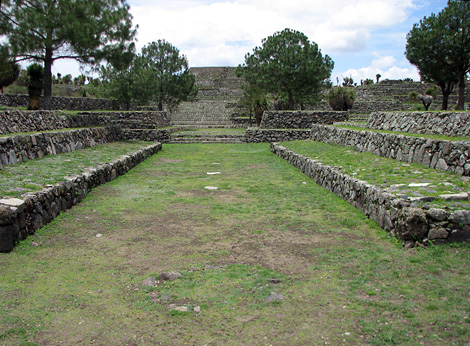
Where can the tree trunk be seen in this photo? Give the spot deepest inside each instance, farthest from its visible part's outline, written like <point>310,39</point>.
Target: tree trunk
<point>461,103</point>
<point>291,101</point>
<point>446,89</point>
<point>258,116</point>
<point>47,99</point>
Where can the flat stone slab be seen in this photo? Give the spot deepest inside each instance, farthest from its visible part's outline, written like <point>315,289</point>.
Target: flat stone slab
<point>211,187</point>
<point>12,202</point>
<point>213,173</point>
<point>455,196</point>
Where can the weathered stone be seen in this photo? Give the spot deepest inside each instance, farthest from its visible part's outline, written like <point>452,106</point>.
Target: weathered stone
<point>274,297</point>
<point>7,238</point>
<point>437,214</point>
<point>455,196</point>
<point>460,217</point>
<point>150,281</point>
<point>437,233</point>
<point>169,276</point>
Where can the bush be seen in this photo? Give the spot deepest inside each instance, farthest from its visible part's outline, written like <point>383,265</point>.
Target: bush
<point>341,98</point>
<point>417,108</point>
<point>413,96</point>
<point>432,91</point>
<point>34,82</point>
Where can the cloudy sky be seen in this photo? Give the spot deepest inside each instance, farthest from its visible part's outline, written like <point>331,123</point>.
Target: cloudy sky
<point>363,37</point>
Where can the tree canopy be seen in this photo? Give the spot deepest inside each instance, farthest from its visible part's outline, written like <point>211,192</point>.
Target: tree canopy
<point>9,69</point>
<point>439,46</point>
<point>49,30</point>
<point>158,75</point>
<point>289,65</point>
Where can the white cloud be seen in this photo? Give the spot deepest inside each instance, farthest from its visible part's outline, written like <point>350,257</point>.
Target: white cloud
<point>386,67</point>
<point>383,62</point>
<point>221,32</point>
<point>201,28</point>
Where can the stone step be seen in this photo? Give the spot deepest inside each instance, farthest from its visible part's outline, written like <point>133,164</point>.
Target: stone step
<point>207,138</point>
<point>206,126</point>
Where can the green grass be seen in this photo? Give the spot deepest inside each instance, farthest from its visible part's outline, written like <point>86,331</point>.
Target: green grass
<point>345,282</point>
<point>33,175</point>
<point>392,175</point>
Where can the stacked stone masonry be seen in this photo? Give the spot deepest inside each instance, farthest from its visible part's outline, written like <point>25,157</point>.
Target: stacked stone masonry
<point>15,121</point>
<point>21,217</point>
<point>16,149</point>
<point>300,119</point>
<point>442,155</point>
<point>392,213</point>
<point>271,135</point>
<point>440,123</point>
<point>70,103</point>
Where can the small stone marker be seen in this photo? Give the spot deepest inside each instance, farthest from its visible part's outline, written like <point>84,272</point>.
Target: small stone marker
<point>150,281</point>
<point>274,297</point>
<point>419,184</point>
<point>455,196</point>
<point>275,281</point>
<point>211,187</point>
<point>169,276</point>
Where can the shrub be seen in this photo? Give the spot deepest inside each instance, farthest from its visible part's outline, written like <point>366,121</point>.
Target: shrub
<point>413,96</point>
<point>34,82</point>
<point>341,98</point>
<point>417,108</point>
<point>432,91</point>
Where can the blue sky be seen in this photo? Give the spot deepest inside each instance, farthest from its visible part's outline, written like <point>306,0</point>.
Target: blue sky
<point>363,37</point>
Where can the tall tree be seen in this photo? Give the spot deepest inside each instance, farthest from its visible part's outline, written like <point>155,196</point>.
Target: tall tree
<point>456,18</point>
<point>288,64</point>
<point>118,78</point>
<point>9,69</point>
<point>439,46</point>
<point>159,75</point>
<point>166,74</point>
<point>49,30</point>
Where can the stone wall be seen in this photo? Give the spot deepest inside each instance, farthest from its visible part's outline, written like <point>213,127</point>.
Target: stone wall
<point>15,149</point>
<point>69,103</point>
<point>21,217</point>
<point>299,119</point>
<point>442,155</point>
<point>440,123</point>
<point>14,121</point>
<point>30,121</point>
<point>162,136</point>
<point>266,135</point>
<point>127,119</point>
<point>366,107</point>
<point>393,214</point>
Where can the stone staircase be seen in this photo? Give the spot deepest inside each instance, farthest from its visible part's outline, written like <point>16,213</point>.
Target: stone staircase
<point>203,114</point>
<point>206,138</point>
